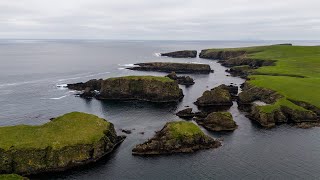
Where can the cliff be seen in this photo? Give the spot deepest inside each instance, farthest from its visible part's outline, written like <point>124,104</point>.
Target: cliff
<point>70,140</point>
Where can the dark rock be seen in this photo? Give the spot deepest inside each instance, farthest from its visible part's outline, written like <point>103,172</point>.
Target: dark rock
<point>93,84</point>
<point>141,133</point>
<point>183,80</point>
<point>186,113</point>
<point>221,55</point>
<point>219,121</point>
<point>181,54</point>
<point>241,71</point>
<point>127,131</point>
<point>88,93</point>
<point>173,67</point>
<point>176,137</point>
<point>218,96</point>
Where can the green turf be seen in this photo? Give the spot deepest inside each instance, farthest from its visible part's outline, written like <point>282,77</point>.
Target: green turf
<point>180,129</point>
<point>292,63</point>
<point>157,78</point>
<point>70,129</point>
<point>11,177</point>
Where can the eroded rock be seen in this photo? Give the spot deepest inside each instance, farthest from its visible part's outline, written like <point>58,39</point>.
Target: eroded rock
<point>218,121</point>
<point>218,96</point>
<point>181,54</point>
<point>183,80</point>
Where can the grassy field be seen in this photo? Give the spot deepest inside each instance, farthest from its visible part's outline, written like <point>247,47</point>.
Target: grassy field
<point>69,129</point>
<point>11,177</point>
<point>291,61</point>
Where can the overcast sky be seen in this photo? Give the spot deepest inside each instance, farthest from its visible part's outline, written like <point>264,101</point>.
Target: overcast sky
<point>161,19</point>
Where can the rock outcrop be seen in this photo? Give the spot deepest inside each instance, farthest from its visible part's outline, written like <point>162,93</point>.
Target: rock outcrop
<point>173,67</point>
<point>176,137</point>
<point>183,80</point>
<point>57,145</point>
<point>93,84</point>
<point>218,96</point>
<point>186,113</point>
<point>145,88</point>
<point>218,121</point>
<point>181,54</point>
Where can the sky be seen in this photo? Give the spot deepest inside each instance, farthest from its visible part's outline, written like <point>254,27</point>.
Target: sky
<point>161,19</point>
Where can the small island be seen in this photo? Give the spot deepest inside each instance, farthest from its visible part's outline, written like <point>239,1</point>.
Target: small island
<point>218,121</point>
<point>67,141</point>
<point>144,88</point>
<point>181,54</point>
<point>176,137</point>
<point>218,96</point>
<point>169,67</point>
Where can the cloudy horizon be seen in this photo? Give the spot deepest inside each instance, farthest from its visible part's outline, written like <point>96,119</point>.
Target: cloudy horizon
<point>160,20</point>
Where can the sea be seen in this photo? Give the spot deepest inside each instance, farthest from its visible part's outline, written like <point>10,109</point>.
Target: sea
<point>33,78</point>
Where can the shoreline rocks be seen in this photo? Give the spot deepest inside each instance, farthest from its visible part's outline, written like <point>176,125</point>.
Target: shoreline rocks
<point>173,67</point>
<point>183,80</point>
<point>176,137</point>
<point>57,145</point>
<point>186,113</point>
<point>181,54</point>
<point>218,96</point>
<point>218,121</point>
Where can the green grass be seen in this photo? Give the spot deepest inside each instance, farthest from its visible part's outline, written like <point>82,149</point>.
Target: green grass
<point>11,177</point>
<point>181,129</point>
<point>69,129</point>
<point>156,78</point>
<point>291,61</point>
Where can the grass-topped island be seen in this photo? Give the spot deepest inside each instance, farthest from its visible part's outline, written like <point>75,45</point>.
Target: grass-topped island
<point>67,141</point>
<point>176,137</point>
<point>285,77</point>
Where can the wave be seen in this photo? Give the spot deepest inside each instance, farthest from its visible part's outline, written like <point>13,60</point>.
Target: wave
<point>157,54</point>
<point>20,83</point>
<point>62,86</point>
<point>78,77</point>
<point>121,68</point>
<point>194,62</point>
<point>126,65</point>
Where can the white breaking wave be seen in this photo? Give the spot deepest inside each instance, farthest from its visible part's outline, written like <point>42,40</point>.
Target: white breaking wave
<point>59,97</point>
<point>193,62</point>
<point>157,54</point>
<point>126,65</point>
<point>78,77</point>
<point>121,68</point>
<point>62,86</point>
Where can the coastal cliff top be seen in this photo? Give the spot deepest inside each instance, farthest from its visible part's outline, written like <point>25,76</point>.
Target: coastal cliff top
<point>66,130</point>
<point>181,129</point>
<point>295,74</point>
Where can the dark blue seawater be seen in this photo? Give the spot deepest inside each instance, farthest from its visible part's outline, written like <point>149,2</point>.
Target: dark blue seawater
<point>30,71</point>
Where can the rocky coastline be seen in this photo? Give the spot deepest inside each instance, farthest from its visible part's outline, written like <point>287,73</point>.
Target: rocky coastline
<point>181,54</point>
<point>168,67</point>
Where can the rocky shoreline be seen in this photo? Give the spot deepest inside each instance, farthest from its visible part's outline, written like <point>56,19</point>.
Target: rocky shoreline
<point>169,67</point>
<point>181,54</point>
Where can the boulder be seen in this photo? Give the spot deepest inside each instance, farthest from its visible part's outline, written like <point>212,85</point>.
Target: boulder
<point>218,121</point>
<point>186,113</point>
<point>173,67</point>
<point>181,54</point>
<point>183,80</point>
<point>176,137</point>
<point>67,141</point>
<point>145,88</point>
<point>218,96</point>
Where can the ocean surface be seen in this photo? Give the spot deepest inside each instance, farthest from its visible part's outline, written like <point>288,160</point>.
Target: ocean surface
<point>33,71</point>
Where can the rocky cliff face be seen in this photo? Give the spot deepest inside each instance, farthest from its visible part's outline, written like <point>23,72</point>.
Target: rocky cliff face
<point>218,121</point>
<point>181,54</point>
<point>56,146</point>
<point>146,88</point>
<point>173,67</point>
<point>218,96</point>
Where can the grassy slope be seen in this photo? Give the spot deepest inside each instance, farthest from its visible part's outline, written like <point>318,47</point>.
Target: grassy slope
<point>180,129</point>
<point>69,129</point>
<point>291,60</point>
<point>11,177</point>
<point>157,78</point>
